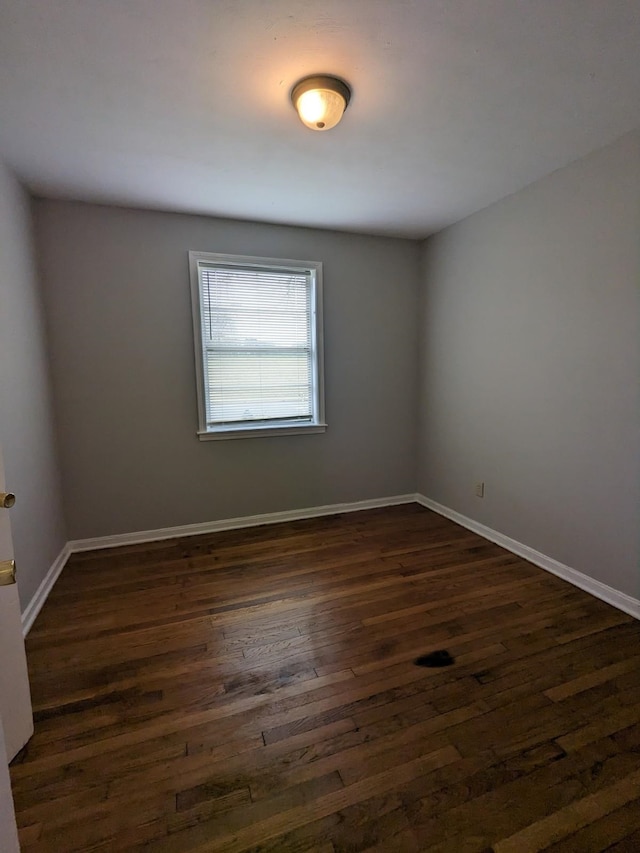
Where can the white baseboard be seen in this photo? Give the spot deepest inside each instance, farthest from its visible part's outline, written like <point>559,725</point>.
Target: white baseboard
<point>142,536</point>
<point>139,537</point>
<point>600,590</point>
<point>42,593</point>
<point>612,596</point>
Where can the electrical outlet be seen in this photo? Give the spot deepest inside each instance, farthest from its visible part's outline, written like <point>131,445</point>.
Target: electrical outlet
<point>479,490</point>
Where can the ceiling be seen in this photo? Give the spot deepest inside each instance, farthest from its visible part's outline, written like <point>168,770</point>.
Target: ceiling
<point>184,104</point>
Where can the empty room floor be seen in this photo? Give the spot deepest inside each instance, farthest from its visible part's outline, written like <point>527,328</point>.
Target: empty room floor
<point>257,690</point>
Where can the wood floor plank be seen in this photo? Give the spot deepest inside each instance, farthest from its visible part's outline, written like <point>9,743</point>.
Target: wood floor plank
<point>601,834</point>
<point>256,690</point>
<point>541,834</point>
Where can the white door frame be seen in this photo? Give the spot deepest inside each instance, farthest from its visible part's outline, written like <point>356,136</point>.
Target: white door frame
<point>8,829</point>
<point>16,718</point>
<point>15,694</point>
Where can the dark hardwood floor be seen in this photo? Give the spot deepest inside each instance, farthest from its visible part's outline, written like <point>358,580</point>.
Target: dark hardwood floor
<point>256,690</point>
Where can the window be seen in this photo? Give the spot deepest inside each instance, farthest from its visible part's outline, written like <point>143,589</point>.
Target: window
<point>258,339</point>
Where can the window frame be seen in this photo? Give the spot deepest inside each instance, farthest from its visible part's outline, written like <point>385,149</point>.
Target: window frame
<point>316,424</point>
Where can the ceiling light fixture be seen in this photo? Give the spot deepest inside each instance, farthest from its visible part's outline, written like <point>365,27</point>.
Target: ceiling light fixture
<point>320,101</point>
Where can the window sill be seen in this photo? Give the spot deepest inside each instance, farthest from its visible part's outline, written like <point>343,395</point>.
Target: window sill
<point>223,434</point>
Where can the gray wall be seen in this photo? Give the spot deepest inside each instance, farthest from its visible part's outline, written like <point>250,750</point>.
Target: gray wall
<point>529,366</point>
<point>118,305</point>
<point>26,423</point>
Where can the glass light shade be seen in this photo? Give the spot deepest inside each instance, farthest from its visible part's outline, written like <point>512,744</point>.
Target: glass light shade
<point>320,101</point>
<point>320,109</point>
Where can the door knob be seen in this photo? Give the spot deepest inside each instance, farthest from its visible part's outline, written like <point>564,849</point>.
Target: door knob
<point>7,572</point>
<point>7,500</point>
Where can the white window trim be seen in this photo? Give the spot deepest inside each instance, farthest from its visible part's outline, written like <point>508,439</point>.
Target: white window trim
<point>221,433</point>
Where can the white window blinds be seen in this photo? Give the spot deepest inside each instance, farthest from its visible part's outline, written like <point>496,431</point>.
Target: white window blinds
<point>258,345</point>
